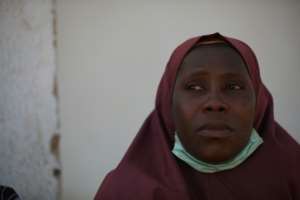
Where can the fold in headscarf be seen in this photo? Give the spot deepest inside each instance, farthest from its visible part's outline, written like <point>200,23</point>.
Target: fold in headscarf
<point>150,171</point>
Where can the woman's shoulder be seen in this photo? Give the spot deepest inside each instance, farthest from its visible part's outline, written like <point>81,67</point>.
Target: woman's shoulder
<point>107,188</point>
<point>120,184</point>
<point>286,142</point>
<point>134,184</point>
<point>289,150</point>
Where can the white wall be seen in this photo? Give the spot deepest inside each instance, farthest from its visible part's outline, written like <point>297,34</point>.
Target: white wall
<point>28,118</point>
<point>111,55</point>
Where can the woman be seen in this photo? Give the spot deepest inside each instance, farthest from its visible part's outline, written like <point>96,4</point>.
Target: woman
<point>212,134</point>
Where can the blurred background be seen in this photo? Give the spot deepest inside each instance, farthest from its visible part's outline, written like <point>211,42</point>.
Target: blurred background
<point>79,77</point>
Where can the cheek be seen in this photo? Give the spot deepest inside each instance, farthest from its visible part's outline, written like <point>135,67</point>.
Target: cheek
<point>183,114</point>
<point>244,108</point>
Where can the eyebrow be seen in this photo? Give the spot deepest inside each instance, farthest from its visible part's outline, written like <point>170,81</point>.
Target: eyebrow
<point>230,75</point>
<point>195,73</point>
<point>202,73</point>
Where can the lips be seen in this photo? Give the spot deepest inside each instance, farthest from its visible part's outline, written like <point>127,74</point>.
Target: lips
<point>215,130</point>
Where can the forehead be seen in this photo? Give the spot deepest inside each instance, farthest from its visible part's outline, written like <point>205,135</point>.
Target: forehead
<point>214,58</point>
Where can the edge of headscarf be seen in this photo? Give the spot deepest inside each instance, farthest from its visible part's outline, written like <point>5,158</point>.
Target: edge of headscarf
<point>264,101</point>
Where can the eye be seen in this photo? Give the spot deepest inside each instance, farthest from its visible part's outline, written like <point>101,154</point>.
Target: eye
<point>234,86</point>
<point>195,87</point>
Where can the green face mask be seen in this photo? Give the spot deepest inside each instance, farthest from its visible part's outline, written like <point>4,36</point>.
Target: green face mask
<point>178,150</point>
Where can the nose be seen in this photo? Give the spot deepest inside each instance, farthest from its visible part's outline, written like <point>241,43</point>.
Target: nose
<point>215,103</point>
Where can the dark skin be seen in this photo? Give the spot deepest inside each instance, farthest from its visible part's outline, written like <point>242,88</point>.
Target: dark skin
<point>213,103</point>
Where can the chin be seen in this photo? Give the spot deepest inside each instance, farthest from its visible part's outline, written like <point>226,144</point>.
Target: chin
<point>215,157</point>
<point>214,160</point>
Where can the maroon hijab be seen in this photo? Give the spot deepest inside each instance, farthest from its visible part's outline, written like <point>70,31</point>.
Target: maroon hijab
<point>150,171</point>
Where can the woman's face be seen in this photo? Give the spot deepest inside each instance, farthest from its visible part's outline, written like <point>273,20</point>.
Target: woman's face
<point>213,103</point>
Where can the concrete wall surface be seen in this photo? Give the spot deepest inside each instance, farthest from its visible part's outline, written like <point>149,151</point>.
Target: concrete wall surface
<point>28,107</point>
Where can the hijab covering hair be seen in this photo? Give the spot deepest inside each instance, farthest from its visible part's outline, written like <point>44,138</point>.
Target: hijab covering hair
<point>150,171</point>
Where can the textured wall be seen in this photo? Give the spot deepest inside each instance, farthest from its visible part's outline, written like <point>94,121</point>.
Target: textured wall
<point>28,118</point>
